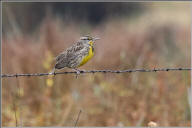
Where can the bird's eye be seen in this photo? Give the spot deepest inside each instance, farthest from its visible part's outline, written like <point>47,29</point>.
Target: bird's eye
<point>83,38</point>
<point>86,38</point>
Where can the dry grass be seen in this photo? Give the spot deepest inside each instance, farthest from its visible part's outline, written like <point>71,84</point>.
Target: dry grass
<point>155,39</point>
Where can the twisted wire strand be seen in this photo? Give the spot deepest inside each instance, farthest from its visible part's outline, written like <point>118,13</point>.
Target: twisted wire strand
<point>98,71</point>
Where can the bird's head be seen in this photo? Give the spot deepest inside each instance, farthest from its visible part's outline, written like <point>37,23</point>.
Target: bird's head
<point>89,39</point>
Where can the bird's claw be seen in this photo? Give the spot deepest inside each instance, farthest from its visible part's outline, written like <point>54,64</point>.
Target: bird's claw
<point>78,72</point>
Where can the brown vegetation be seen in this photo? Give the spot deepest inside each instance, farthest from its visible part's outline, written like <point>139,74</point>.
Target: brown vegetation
<point>158,38</point>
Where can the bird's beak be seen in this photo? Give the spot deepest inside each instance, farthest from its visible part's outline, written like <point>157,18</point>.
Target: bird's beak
<point>96,38</point>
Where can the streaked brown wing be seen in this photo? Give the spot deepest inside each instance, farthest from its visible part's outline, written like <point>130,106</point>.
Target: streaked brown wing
<point>60,56</point>
<point>75,48</point>
<point>70,52</point>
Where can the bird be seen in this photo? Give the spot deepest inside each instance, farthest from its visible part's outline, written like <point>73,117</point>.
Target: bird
<point>76,55</point>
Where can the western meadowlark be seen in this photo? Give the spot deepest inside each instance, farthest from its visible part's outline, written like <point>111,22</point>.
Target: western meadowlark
<point>76,55</point>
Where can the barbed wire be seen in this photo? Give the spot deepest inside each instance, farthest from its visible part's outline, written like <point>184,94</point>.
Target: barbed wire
<point>98,71</point>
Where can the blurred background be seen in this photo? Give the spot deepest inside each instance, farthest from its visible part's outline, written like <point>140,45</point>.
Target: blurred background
<point>133,35</point>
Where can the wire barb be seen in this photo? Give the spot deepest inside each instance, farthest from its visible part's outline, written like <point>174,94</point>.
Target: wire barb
<point>98,71</point>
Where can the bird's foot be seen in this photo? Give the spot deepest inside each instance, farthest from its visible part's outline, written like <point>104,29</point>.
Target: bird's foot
<point>78,72</point>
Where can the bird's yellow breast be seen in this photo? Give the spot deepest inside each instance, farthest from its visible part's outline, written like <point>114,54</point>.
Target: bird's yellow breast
<point>88,56</point>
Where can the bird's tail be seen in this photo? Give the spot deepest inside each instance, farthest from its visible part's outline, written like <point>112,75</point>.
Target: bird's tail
<point>53,71</point>
<point>58,66</point>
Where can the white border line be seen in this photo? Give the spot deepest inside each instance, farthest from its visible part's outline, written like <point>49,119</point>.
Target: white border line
<point>190,98</point>
<point>1,61</point>
<point>1,2</point>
